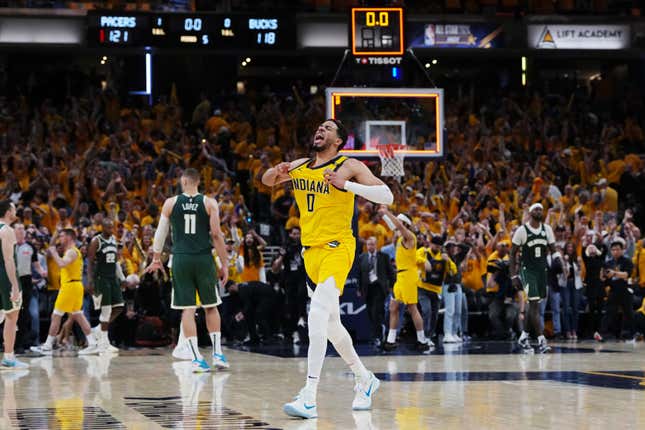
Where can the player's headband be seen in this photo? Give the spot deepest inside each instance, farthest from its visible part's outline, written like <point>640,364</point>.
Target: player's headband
<point>536,206</point>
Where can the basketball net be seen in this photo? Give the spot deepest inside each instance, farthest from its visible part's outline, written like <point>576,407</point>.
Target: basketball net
<point>392,158</point>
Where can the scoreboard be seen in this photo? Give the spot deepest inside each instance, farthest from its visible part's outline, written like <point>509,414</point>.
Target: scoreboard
<point>377,31</point>
<point>206,31</point>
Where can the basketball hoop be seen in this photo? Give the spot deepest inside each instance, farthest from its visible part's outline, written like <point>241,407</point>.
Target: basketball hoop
<point>392,157</point>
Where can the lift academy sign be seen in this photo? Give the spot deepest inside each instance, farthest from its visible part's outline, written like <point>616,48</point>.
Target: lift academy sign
<point>578,36</point>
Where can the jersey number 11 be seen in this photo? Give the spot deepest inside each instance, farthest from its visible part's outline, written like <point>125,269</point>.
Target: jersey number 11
<point>190,220</point>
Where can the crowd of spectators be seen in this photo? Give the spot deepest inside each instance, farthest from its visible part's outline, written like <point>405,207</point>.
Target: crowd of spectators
<point>70,163</point>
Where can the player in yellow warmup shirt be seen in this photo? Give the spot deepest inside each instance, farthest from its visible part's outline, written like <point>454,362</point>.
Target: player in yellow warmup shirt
<point>405,288</point>
<point>324,188</point>
<point>70,296</point>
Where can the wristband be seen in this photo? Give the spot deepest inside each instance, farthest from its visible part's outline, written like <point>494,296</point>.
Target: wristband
<point>515,277</point>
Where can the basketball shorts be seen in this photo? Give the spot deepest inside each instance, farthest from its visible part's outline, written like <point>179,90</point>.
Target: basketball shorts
<point>534,282</point>
<point>5,295</point>
<point>70,297</point>
<point>193,277</point>
<point>333,260</point>
<point>109,290</point>
<point>405,287</point>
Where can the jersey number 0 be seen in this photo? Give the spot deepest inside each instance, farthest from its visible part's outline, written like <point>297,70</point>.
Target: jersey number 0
<point>310,202</point>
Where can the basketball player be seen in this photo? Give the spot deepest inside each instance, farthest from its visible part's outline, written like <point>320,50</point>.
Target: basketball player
<point>104,282</point>
<point>10,294</point>
<point>535,240</point>
<point>70,296</point>
<point>324,189</point>
<point>405,287</point>
<point>194,222</point>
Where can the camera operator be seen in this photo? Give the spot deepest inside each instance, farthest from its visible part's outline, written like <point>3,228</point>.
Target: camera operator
<point>257,301</point>
<point>291,266</point>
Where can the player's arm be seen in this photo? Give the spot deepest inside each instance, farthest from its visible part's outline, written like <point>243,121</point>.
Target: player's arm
<point>408,236</point>
<point>218,237</point>
<point>160,235</point>
<point>8,237</point>
<point>280,173</point>
<point>67,259</point>
<point>365,184</point>
<point>91,257</point>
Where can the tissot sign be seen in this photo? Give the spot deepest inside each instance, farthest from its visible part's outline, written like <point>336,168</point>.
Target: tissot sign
<point>578,36</point>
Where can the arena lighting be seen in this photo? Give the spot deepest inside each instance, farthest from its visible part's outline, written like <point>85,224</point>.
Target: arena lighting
<point>435,61</point>
<point>243,63</point>
<point>104,58</point>
<point>524,64</point>
<point>248,59</point>
<point>149,75</point>
<point>427,65</point>
<point>313,90</point>
<point>240,87</point>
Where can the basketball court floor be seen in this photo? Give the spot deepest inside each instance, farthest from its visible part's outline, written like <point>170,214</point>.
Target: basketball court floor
<point>477,385</point>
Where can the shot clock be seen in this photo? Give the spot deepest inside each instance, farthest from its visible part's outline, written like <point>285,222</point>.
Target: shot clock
<point>377,31</point>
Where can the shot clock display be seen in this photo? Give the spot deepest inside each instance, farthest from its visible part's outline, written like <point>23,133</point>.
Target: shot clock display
<point>207,31</point>
<point>377,31</point>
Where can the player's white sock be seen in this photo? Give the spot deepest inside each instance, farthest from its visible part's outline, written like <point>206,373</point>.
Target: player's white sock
<point>524,335</point>
<point>541,339</point>
<point>49,343</point>
<point>391,336</point>
<point>182,338</point>
<point>216,338</point>
<point>194,347</point>
<point>91,340</point>
<point>9,356</point>
<point>312,386</point>
<point>421,337</point>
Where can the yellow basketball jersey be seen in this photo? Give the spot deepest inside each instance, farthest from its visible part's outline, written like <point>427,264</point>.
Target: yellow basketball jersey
<point>406,259</point>
<point>325,211</point>
<point>73,272</point>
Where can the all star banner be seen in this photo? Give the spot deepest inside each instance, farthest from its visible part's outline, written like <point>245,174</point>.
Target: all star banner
<point>578,36</point>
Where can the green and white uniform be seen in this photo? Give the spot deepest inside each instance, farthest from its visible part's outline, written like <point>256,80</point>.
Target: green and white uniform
<point>534,245</point>
<point>106,282</point>
<point>193,267</point>
<point>5,285</point>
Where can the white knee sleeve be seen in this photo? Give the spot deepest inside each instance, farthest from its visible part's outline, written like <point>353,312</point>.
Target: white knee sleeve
<point>324,302</point>
<point>106,311</point>
<point>59,313</point>
<point>326,295</point>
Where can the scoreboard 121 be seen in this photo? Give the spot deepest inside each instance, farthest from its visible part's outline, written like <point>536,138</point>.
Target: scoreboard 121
<point>206,31</point>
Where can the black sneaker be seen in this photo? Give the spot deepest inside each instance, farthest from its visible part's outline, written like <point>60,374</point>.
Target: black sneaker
<point>389,346</point>
<point>422,347</point>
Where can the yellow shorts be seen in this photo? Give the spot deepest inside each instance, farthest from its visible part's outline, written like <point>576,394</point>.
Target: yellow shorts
<point>325,261</point>
<point>70,297</point>
<point>405,287</point>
